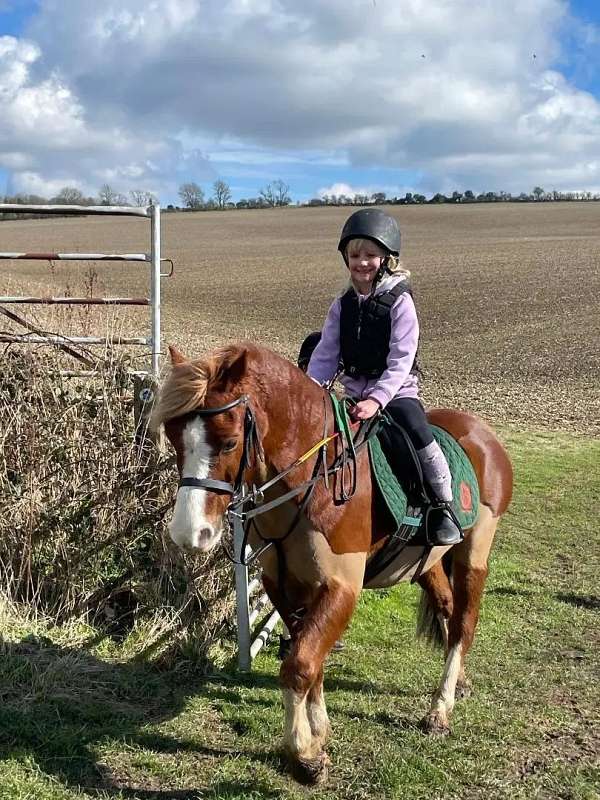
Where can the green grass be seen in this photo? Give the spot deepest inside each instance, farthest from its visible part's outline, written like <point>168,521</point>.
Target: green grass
<point>78,720</point>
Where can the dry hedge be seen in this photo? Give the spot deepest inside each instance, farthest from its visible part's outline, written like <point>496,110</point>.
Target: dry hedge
<point>82,514</point>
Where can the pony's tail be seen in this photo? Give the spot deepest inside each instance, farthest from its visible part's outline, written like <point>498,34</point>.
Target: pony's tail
<point>428,624</point>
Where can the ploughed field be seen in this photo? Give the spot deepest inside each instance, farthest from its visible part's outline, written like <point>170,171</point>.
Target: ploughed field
<point>507,293</point>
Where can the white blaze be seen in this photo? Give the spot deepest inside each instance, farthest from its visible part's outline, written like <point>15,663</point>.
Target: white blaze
<point>189,526</point>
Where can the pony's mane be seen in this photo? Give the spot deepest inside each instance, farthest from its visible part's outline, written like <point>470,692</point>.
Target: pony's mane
<point>186,384</point>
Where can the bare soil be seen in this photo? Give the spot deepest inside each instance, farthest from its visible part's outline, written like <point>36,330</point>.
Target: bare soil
<point>507,294</point>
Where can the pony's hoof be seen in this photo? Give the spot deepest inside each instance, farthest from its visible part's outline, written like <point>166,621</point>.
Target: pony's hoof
<point>463,689</point>
<point>310,771</point>
<point>434,725</point>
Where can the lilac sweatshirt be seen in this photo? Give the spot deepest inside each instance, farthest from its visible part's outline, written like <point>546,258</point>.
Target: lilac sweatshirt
<point>397,380</point>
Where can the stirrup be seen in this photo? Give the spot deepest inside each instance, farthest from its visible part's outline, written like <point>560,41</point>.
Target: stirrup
<point>448,530</point>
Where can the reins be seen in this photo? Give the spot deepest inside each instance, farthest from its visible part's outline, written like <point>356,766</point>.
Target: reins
<point>246,504</point>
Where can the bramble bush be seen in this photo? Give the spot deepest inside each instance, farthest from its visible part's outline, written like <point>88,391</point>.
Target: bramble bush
<point>82,510</point>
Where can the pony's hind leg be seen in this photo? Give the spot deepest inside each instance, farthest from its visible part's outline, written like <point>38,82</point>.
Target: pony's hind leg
<point>435,610</point>
<point>469,572</point>
<point>436,606</point>
<point>306,722</point>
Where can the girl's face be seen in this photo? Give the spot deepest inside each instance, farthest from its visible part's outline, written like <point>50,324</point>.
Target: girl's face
<point>363,263</point>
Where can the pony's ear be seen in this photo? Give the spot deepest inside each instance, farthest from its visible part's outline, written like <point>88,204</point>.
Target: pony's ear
<point>176,356</point>
<point>231,371</point>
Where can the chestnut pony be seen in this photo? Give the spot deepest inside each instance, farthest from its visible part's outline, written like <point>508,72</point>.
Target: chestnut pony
<point>315,573</point>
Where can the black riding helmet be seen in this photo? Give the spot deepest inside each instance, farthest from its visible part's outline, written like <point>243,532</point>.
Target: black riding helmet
<point>373,224</point>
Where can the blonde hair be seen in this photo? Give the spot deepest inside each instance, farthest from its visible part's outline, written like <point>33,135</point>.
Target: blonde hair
<point>394,265</point>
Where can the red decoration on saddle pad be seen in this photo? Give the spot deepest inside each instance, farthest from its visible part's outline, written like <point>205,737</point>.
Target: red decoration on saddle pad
<point>466,500</point>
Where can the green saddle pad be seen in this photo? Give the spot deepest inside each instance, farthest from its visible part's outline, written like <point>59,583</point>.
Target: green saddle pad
<point>465,489</point>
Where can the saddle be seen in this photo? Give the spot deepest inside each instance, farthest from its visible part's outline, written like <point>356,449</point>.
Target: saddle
<point>404,498</point>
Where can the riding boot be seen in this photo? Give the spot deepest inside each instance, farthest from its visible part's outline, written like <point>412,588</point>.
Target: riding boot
<point>441,525</point>
<point>442,528</point>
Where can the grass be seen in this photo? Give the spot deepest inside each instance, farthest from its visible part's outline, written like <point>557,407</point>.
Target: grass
<point>79,718</point>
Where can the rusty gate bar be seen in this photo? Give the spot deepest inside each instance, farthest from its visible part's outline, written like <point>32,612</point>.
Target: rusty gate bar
<point>122,211</point>
<point>78,301</point>
<point>75,256</point>
<point>34,338</point>
<point>151,212</point>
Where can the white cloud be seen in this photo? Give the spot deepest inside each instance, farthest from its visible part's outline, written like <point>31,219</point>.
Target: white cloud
<point>339,189</point>
<point>49,139</point>
<point>149,92</point>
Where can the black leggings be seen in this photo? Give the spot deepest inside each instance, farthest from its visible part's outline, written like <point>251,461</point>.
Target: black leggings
<point>410,414</point>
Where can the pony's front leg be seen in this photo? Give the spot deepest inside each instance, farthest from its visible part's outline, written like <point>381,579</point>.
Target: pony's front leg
<point>317,712</point>
<point>306,723</point>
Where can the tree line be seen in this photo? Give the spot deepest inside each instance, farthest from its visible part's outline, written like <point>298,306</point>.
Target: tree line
<point>412,198</point>
<point>71,196</point>
<point>277,194</point>
<point>274,194</point>
<point>193,198</point>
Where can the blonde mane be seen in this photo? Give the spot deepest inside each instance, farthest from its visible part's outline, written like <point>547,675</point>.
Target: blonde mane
<point>186,385</point>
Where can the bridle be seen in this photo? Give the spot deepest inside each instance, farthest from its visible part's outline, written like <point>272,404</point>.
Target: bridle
<point>251,443</point>
<point>248,502</point>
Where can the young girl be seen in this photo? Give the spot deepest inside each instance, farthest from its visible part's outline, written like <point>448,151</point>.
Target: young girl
<point>372,332</point>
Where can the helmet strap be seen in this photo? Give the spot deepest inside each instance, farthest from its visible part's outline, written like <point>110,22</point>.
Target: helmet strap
<point>381,271</point>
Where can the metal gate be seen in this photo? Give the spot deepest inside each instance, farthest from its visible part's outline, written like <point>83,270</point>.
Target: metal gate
<point>247,616</point>
<point>153,258</point>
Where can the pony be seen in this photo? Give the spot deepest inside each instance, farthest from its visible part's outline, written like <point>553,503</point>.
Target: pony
<point>242,416</point>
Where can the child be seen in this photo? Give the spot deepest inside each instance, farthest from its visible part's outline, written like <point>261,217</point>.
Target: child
<point>371,332</point>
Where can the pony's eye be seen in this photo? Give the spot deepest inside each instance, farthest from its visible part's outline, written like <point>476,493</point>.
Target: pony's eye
<point>229,445</point>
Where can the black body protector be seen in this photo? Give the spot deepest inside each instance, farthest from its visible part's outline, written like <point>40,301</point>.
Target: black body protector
<point>365,330</point>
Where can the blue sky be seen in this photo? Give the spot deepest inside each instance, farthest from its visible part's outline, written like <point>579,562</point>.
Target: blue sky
<point>347,96</point>
<point>581,59</point>
<point>14,15</point>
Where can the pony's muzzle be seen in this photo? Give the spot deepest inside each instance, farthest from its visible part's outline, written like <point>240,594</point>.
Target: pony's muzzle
<point>201,539</point>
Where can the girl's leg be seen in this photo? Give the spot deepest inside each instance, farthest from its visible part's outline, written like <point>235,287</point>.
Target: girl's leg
<point>410,414</point>
<point>436,471</point>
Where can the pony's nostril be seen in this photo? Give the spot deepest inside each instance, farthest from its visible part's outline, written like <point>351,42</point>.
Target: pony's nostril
<point>206,532</point>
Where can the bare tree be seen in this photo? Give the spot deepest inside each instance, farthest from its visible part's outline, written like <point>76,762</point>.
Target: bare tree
<point>70,196</point>
<point>108,196</point>
<point>276,193</point>
<point>282,193</point>
<point>191,195</point>
<point>267,194</point>
<point>141,198</point>
<point>222,193</point>
<point>538,193</point>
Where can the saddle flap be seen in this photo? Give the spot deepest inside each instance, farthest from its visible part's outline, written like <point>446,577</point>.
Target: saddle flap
<point>398,492</point>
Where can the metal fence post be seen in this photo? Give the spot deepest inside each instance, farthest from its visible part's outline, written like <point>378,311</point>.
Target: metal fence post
<point>155,286</point>
<point>242,597</point>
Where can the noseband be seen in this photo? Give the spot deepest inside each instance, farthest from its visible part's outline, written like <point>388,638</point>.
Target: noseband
<point>251,442</point>
<point>241,496</point>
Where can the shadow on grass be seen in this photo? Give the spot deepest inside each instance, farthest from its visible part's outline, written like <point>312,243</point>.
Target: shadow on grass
<point>589,601</point>
<point>60,704</point>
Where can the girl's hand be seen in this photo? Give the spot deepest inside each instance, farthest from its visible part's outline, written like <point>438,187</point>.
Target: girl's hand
<point>365,409</point>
